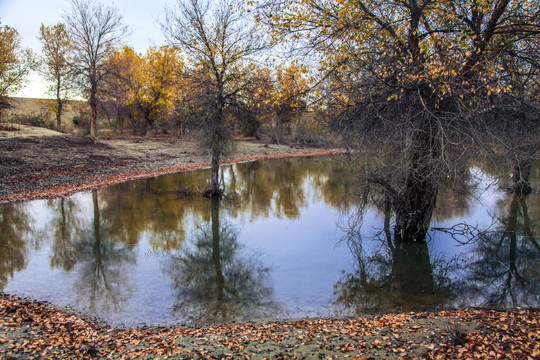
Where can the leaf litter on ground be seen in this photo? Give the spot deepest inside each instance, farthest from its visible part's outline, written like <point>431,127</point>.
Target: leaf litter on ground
<point>36,330</point>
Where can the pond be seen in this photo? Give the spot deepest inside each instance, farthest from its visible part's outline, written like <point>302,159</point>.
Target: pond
<point>283,244</point>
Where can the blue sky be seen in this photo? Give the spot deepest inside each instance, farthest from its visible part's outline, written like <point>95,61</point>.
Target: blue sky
<point>27,15</point>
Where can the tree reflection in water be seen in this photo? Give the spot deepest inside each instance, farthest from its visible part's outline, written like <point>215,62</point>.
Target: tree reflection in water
<point>213,280</point>
<point>102,285</point>
<point>498,268</point>
<point>395,275</point>
<point>63,227</point>
<point>504,271</point>
<point>16,232</point>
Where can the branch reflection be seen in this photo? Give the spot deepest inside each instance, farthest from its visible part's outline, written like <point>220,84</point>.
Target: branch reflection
<point>498,267</point>
<point>504,271</point>
<point>214,280</point>
<point>102,283</point>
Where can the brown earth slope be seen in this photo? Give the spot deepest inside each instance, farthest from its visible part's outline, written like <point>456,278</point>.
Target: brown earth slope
<point>41,163</point>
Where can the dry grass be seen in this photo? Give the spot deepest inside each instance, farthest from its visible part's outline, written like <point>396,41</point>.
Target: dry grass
<point>32,111</point>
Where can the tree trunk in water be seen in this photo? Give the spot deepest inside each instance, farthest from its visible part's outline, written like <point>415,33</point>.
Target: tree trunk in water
<point>414,205</point>
<point>414,209</point>
<point>522,172</point>
<point>217,146</point>
<point>215,189</point>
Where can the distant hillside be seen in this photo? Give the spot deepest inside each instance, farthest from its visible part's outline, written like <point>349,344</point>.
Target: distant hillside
<point>38,112</point>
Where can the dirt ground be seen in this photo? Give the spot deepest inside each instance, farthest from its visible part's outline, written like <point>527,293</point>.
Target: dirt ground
<point>41,163</point>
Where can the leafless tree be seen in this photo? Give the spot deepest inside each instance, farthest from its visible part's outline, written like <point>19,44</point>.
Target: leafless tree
<point>219,40</point>
<point>96,30</point>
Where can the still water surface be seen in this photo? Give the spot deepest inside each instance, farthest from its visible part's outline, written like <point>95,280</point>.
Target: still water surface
<point>147,252</point>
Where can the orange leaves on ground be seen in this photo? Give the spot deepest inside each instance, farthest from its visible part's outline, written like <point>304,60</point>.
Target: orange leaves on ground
<point>33,330</point>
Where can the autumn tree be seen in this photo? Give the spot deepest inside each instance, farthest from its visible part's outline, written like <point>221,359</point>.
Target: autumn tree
<point>158,82</point>
<point>57,48</point>
<point>95,31</point>
<point>289,95</point>
<point>115,98</point>
<point>15,64</point>
<point>414,79</point>
<point>219,40</point>
<point>254,105</point>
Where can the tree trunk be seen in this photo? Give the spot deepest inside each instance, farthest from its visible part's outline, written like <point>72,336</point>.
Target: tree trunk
<point>214,187</point>
<point>522,172</point>
<point>414,209</point>
<point>59,108</point>
<point>414,205</point>
<point>217,146</point>
<point>59,115</point>
<point>93,111</point>
<point>255,126</point>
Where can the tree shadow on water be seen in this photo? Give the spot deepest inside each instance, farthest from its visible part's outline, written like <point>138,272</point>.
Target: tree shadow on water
<point>504,271</point>
<point>101,262</point>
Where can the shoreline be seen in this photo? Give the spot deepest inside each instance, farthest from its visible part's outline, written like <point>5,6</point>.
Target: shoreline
<point>120,177</point>
<point>37,330</point>
<point>49,166</point>
<point>39,163</point>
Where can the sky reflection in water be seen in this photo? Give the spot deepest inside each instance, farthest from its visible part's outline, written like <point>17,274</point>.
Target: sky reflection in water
<point>147,252</point>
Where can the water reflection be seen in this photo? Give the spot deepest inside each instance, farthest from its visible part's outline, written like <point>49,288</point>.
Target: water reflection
<point>390,274</point>
<point>16,232</point>
<point>64,225</point>
<point>504,267</point>
<point>155,251</point>
<point>498,266</point>
<point>214,280</point>
<point>102,283</point>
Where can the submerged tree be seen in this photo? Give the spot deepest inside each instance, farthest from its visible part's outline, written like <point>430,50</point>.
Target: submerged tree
<point>96,32</point>
<point>219,40</point>
<point>412,80</point>
<point>57,49</point>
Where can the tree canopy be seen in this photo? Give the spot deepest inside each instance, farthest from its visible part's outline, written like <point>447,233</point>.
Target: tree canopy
<point>15,63</point>
<point>416,77</point>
